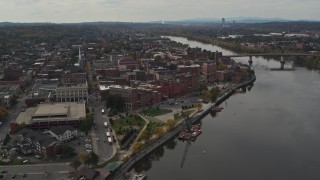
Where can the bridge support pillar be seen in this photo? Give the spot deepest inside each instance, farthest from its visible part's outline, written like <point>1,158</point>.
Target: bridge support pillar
<point>250,60</point>
<point>282,63</point>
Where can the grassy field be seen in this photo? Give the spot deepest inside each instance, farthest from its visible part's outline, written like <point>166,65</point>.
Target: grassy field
<point>129,121</point>
<point>154,111</point>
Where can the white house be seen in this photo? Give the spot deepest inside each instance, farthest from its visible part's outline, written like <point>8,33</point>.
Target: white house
<point>64,133</point>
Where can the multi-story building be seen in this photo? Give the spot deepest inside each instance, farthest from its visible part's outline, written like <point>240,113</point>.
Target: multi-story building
<point>135,98</point>
<point>72,93</point>
<point>192,75</point>
<point>73,88</point>
<point>208,69</point>
<point>127,63</point>
<point>73,78</point>
<point>40,143</point>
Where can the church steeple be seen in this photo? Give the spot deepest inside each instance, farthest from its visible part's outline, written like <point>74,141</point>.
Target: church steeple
<point>79,57</point>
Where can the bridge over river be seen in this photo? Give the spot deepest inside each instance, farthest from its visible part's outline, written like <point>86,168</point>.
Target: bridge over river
<point>273,55</point>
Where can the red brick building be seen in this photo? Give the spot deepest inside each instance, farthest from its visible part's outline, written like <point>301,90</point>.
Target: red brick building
<point>128,63</point>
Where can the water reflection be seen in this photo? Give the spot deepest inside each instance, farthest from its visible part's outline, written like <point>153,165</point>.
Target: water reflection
<point>146,163</point>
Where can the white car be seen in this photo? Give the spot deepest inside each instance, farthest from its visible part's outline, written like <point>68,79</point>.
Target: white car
<point>25,161</point>
<point>89,150</point>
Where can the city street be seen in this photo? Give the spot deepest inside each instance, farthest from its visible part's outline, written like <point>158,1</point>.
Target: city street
<point>99,138</point>
<point>38,171</point>
<point>13,114</point>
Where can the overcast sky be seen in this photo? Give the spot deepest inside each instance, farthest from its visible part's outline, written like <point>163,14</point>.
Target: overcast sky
<point>151,10</point>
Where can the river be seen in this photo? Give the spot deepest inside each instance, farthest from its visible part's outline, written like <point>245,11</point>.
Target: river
<point>268,133</point>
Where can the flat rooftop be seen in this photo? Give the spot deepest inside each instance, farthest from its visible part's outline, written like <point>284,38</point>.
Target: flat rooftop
<point>53,112</point>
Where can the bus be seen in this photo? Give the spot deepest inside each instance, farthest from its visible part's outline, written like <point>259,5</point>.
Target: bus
<point>105,124</point>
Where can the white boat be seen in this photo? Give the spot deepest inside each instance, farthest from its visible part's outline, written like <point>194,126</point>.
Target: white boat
<point>139,177</point>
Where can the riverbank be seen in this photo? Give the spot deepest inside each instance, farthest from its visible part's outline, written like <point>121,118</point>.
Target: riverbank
<point>301,61</point>
<point>127,165</point>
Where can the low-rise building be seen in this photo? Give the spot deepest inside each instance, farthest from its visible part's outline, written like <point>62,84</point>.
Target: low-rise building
<point>64,133</point>
<point>48,115</point>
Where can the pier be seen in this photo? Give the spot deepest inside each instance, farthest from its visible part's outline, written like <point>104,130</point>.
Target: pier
<point>126,166</point>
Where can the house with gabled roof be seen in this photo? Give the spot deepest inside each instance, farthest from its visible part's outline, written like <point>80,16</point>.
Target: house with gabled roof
<point>64,133</point>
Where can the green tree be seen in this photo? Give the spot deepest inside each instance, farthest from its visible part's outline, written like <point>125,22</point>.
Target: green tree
<point>214,92</point>
<point>75,164</point>
<point>92,159</point>
<point>86,124</point>
<point>67,151</point>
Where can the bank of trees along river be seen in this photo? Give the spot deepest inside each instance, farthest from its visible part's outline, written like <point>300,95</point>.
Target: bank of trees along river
<point>243,44</point>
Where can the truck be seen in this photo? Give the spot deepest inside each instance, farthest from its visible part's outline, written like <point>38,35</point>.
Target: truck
<point>110,140</point>
<point>105,124</point>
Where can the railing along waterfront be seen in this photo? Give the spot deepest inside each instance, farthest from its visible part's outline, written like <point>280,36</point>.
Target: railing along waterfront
<point>123,169</point>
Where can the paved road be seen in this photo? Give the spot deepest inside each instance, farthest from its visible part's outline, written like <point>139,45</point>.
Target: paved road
<point>13,114</point>
<point>38,171</point>
<point>100,146</point>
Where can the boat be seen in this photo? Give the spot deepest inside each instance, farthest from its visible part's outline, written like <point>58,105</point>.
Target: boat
<point>217,109</point>
<point>190,133</point>
<point>139,177</point>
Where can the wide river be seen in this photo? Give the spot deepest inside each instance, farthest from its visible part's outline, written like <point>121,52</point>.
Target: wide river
<point>269,133</point>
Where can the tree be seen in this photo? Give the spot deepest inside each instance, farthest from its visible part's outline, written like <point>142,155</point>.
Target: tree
<point>85,125</point>
<point>137,146</point>
<point>67,151</point>
<point>214,93</point>
<point>83,157</point>
<point>145,135</point>
<point>199,106</point>
<point>92,159</point>
<point>159,131</point>
<point>3,112</point>
<point>170,123</point>
<point>75,163</point>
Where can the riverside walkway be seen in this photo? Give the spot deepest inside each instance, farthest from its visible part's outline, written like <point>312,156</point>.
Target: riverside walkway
<point>126,166</point>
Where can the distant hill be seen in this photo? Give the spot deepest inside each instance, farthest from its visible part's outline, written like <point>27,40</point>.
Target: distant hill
<point>246,20</point>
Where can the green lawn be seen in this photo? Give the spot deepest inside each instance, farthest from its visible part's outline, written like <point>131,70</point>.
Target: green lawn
<point>153,119</point>
<point>154,111</point>
<point>179,116</point>
<point>129,121</point>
